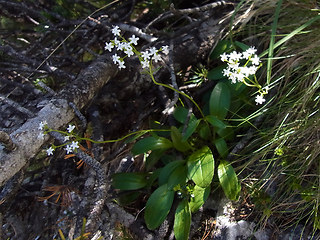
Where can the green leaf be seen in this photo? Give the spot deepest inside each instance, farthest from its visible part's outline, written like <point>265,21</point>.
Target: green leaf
<point>221,47</point>
<point>129,181</point>
<point>182,221</point>
<point>220,100</point>
<point>226,133</point>
<point>177,141</point>
<point>214,121</point>
<point>158,207</point>
<point>192,126</point>
<point>201,167</point>
<point>168,169</point>
<point>222,147</point>
<point>204,131</point>
<point>180,114</point>
<point>150,143</point>
<point>217,73</point>
<point>200,196</point>
<point>229,180</point>
<point>241,45</point>
<point>177,177</point>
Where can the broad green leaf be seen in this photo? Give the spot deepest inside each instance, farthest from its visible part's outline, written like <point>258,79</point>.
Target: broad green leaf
<point>150,143</point>
<point>222,147</point>
<point>180,114</point>
<point>226,133</point>
<point>229,180</point>
<point>168,169</point>
<point>236,88</point>
<point>182,221</point>
<point>204,131</point>
<point>129,181</point>
<point>217,73</point>
<point>221,47</point>
<point>177,177</point>
<point>214,121</point>
<point>192,126</point>
<point>177,141</point>
<point>201,167</point>
<point>158,207</point>
<point>241,45</point>
<point>200,196</point>
<point>220,100</point>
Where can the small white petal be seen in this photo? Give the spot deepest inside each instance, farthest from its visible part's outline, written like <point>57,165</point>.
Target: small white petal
<point>259,99</point>
<point>109,46</point>
<point>70,128</point>
<point>165,49</point>
<point>50,151</point>
<point>116,31</point>
<point>134,40</point>
<point>74,145</point>
<point>69,149</point>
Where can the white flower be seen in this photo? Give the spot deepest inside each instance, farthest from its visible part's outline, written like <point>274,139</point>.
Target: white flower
<point>224,57</point>
<point>42,124</point>
<point>69,149</point>
<point>259,99</point>
<point>145,64</point>
<point>74,145</point>
<point>120,46</point>
<point>252,70</point>
<point>249,52</point>
<point>116,31</point>
<point>116,41</point>
<point>234,66</point>
<point>50,151</point>
<point>70,128</point>
<point>121,65</point>
<point>66,138</point>
<point>165,49</point>
<point>134,40</point>
<point>156,58</point>
<point>129,51</point>
<point>115,58</point>
<point>255,60</point>
<point>109,46</point>
<point>226,72</point>
<point>41,136</point>
<point>153,51</point>
<point>145,55</point>
<point>234,56</point>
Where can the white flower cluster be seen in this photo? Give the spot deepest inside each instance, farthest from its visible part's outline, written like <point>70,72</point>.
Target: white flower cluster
<point>69,147</point>
<point>241,73</point>
<point>234,71</point>
<point>129,50</point>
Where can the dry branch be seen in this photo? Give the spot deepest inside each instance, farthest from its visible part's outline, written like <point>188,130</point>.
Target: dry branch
<point>57,113</point>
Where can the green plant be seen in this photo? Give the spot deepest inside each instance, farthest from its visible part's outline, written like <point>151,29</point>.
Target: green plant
<point>180,163</point>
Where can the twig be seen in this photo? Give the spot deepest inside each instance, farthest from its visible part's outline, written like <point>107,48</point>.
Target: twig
<point>174,11</point>
<point>169,108</point>
<point>77,112</point>
<point>101,195</point>
<point>137,31</point>
<point>16,106</point>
